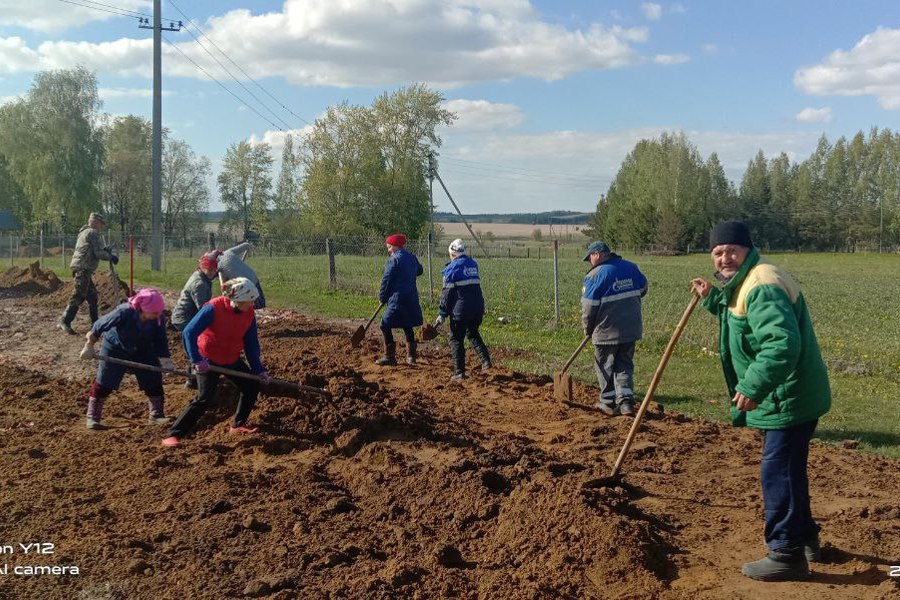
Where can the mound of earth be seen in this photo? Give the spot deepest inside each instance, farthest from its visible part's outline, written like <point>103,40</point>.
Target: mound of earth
<point>404,485</point>
<point>110,290</point>
<point>17,282</point>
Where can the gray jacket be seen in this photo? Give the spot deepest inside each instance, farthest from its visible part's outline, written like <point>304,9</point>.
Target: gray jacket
<point>231,265</point>
<point>89,250</point>
<point>196,292</point>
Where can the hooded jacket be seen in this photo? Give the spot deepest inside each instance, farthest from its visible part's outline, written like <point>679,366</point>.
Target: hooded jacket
<point>461,296</point>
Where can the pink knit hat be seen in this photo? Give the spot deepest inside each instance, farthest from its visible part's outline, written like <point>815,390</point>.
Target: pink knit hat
<point>147,300</point>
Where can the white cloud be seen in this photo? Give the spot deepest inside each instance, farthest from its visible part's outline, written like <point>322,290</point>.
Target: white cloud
<point>652,10</point>
<point>671,59</point>
<point>377,43</point>
<point>677,8</point>
<point>54,16</point>
<point>113,93</point>
<point>481,115</point>
<point>710,48</point>
<point>814,115</point>
<point>871,68</point>
<point>275,139</point>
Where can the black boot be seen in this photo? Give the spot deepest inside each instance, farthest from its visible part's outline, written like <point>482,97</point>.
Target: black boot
<point>777,567</point>
<point>411,352</point>
<point>390,355</point>
<point>65,321</point>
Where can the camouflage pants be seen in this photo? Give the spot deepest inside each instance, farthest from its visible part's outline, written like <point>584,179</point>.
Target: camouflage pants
<point>84,290</point>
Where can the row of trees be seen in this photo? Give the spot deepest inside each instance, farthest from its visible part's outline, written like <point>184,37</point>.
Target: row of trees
<point>61,158</point>
<point>358,171</point>
<point>845,196</point>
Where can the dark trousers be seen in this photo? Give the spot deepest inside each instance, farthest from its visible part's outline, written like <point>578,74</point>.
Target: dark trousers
<point>614,364</point>
<point>110,375</point>
<point>785,488</point>
<point>83,289</point>
<point>389,336</point>
<point>206,393</point>
<point>261,301</point>
<point>459,330</point>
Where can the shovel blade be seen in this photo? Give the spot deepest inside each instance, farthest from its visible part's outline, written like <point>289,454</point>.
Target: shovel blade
<point>428,332</point>
<point>358,336</point>
<point>562,387</point>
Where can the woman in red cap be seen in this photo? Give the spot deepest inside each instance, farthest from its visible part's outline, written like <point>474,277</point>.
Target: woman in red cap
<point>196,292</point>
<point>400,295</point>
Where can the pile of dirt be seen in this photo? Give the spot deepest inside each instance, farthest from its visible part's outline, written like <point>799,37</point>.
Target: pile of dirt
<point>405,485</point>
<point>18,282</point>
<point>110,290</point>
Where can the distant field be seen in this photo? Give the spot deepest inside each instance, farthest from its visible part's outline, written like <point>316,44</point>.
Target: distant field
<point>853,300</point>
<point>505,231</point>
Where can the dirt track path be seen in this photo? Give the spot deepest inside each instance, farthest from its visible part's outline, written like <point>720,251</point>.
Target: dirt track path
<point>404,485</point>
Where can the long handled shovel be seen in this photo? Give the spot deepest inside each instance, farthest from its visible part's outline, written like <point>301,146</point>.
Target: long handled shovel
<point>562,381</point>
<point>275,387</point>
<point>653,383</point>
<point>360,332</point>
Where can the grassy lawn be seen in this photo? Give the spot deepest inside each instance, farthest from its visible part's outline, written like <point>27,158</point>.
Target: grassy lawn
<point>852,299</point>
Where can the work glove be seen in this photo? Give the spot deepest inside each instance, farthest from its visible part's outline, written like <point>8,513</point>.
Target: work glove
<point>264,378</point>
<point>439,321</point>
<point>166,363</point>
<point>201,366</point>
<point>87,353</point>
<point>114,259</point>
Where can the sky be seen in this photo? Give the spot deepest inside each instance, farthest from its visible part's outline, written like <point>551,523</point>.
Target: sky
<point>551,95</point>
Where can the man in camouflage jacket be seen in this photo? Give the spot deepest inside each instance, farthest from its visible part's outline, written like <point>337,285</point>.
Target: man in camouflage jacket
<point>89,251</point>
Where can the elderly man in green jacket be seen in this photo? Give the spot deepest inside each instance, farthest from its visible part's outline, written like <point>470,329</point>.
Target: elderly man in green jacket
<point>778,383</point>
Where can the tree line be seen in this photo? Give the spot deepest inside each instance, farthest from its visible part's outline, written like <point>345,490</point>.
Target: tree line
<point>844,197</point>
<point>357,171</point>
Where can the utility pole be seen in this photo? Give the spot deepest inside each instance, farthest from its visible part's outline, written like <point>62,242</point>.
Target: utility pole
<point>156,173</point>
<point>431,171</point>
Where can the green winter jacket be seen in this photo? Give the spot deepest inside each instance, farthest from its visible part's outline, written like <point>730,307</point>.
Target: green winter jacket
<point>768,347</point>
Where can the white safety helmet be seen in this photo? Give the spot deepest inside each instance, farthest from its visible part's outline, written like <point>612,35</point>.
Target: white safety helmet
<point>241,289</point>
<point>457,247</point>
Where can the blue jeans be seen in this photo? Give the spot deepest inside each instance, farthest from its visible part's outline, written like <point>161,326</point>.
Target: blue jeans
<point>785,488</point>
<point>614,364</point>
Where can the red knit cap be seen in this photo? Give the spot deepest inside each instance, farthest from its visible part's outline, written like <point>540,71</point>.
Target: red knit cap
<point>398,239</point>
<point>210,260</point>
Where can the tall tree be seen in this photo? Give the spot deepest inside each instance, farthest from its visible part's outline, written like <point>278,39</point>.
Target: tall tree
<point>245,186</point>
<point>125,184</point>
<point>53,146</point>
<point>185,191</point>
<point>285,218</point>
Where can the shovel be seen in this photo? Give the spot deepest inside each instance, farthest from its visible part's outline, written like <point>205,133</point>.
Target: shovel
<point>562,381</point>
<point>428,332</point>
<point>360,332</point>
<point>275,387</point>
<point>657,375</point>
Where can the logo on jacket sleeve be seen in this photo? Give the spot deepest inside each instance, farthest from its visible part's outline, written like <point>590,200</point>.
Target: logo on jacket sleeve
<point>470,271</point>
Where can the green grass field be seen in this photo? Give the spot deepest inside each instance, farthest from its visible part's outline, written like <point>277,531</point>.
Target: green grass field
<point>853,300</point>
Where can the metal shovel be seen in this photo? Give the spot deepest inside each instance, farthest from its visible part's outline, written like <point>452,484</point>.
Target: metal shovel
<point>275,387</point>
<point>562,381</point>
<point>360,333</point>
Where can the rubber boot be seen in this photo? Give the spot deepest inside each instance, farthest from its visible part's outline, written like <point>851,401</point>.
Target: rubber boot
<point>812,550</point>
<point>777,567</point>
<point>411,352</point>
<point>390,356</point>
<point>458,376</point>
<point>65,321</point>
<point>157,414</point>
<point>94,413</point>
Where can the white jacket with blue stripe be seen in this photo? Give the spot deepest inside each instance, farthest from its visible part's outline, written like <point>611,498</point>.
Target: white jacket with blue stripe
<point>611,302</point>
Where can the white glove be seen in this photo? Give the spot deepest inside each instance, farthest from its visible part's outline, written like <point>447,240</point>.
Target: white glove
<point>87,353</point>
<point>439,321</point>
<point>166,363</point>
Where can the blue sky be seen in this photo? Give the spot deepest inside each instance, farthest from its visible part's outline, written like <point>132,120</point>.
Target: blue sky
<point>551,94</point>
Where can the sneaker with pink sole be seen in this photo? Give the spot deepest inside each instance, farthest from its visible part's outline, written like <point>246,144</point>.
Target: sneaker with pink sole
<point>245,428</point>
<point>171,442</point>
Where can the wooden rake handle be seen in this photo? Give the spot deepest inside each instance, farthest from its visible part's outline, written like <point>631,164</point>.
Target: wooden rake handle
<point>654,383</point>
<point>374,314</point>
<point>575,354</point>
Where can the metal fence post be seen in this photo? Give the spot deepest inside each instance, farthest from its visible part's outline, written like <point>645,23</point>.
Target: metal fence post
<point>556,280</point>
<point>430,280</point>
<point>332,272</point>
<point>211,240</point>
<point>62,242</point>
<point>12,255</point>
<point>42,248</point>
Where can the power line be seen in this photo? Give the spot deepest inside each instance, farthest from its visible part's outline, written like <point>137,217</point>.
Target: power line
<point>238,98</point>
<point>106,10</point>
<point>247,75</point>
<point>236,80</point>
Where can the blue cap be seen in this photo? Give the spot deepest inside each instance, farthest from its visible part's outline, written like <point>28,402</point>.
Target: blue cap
<point>596,247</point>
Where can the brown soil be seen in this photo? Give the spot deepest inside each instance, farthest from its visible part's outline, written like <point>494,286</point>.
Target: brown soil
<point>18,282</point>
<point>402,485</point>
